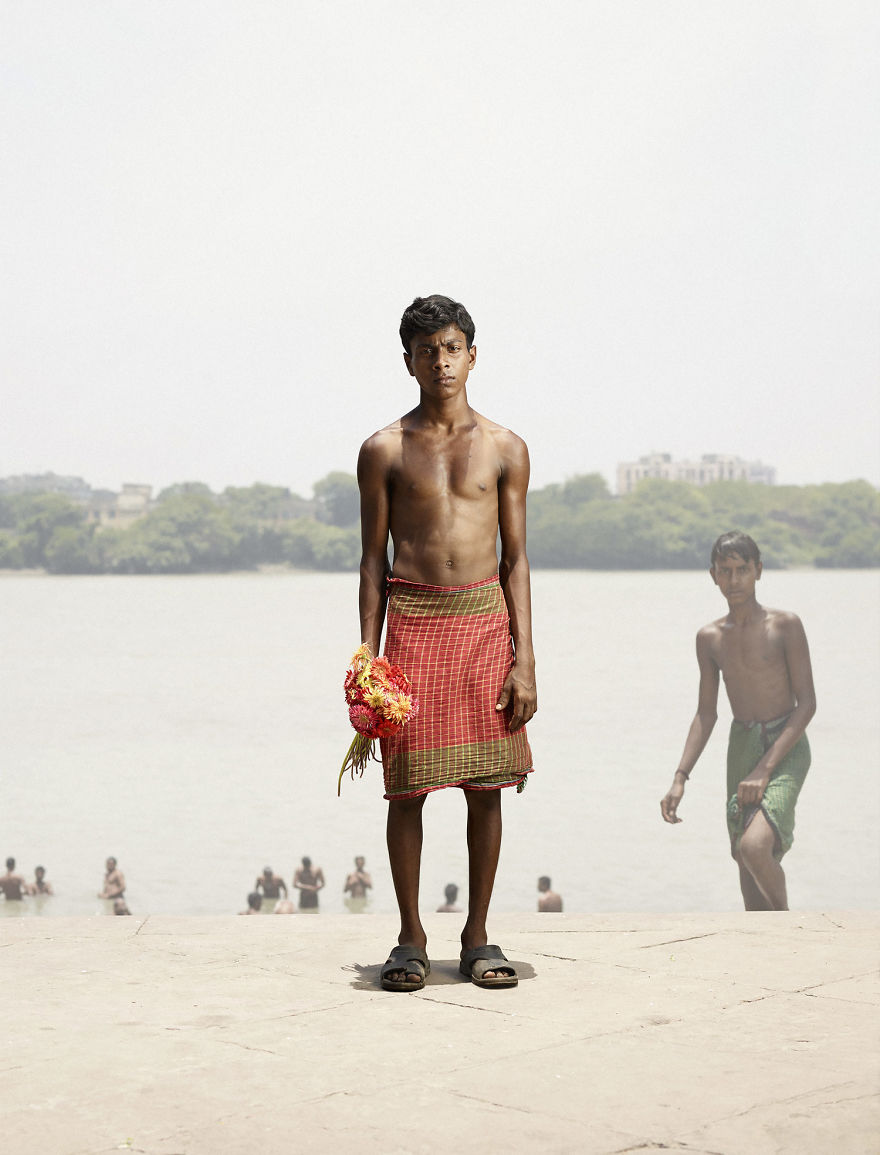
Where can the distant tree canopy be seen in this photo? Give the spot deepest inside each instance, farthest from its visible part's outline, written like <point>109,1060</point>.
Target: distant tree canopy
<point>338,500</point>
<point>573,525</point>
<point>671,524</point>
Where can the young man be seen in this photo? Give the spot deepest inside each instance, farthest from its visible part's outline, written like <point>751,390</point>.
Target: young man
<point>450,892</point>
<point>114,881</point>
<point>308,882</point>
<point>358,882</point>
<point>13,886</point>
<point>549,902</point>
<point>254,903</point>
<point>271,884</point>
<point>765,661</point>
<point>443,481</point>
<point>41,884</point>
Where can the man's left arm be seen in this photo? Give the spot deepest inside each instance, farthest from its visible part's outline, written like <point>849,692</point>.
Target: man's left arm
<point>513,572</point>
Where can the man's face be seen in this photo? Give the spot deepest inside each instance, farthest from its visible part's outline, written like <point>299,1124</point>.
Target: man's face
<point>111,864</point>
<point>441,361</point>
<point>736,577</point>
<point>359,863</point>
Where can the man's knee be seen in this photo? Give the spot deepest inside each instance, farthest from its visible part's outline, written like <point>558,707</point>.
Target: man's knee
<point>756,844</point>
<point>483,801</point>
<point>406,806</point>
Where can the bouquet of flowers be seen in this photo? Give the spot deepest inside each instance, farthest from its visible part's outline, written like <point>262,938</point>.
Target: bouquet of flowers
<point>380,702</point>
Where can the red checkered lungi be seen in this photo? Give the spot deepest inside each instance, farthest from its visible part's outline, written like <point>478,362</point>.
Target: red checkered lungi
<point>453,643</point>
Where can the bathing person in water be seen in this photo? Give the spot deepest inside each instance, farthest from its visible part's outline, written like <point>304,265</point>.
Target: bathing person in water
<point>13,886</point>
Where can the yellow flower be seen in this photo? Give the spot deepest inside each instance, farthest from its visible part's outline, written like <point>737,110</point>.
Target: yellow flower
<point>397,708</point>
<point>376,698</point>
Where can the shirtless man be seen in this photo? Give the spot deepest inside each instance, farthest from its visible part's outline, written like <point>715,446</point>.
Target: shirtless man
<point>40,885</point>
<point>308,882</point>
<point>270,883</point>
<point>254,903</point>
<point>442,481</point>
<point>450,893</point>
<point>114,881</point>
<point>549,901</point>
<point>358,882</point>
<point>763,656</point>
<point>14,887</point>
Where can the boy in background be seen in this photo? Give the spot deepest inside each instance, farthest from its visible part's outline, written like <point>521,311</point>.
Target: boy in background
<point>765,661</point>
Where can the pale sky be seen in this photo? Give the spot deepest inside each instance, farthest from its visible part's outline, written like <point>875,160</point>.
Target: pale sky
<point>661,215</point>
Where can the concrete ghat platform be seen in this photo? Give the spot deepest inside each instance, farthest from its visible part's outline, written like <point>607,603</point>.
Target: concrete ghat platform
<point>719,1033</point>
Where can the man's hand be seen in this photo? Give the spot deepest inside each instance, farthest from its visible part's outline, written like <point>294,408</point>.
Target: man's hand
<point>669,804</point>
<point>523,696</point>
<point>751,790</point>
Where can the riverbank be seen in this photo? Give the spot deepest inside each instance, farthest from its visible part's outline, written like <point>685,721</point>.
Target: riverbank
<point>182,1036</point>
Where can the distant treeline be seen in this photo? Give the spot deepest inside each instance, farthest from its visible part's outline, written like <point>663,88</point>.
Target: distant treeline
<point>574,525</point>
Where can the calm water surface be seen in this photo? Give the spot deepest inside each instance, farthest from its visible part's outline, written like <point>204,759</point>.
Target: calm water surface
<point>193,728</point>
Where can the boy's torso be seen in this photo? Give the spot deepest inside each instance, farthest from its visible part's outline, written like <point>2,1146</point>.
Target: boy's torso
<point>751,658</point>
<point>443,499</point>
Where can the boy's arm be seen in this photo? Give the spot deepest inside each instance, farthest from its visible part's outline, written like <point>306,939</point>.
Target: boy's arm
<point>800,673</point>
<point>513,572</point>
<point>372,477</point>
<point>701,727</point>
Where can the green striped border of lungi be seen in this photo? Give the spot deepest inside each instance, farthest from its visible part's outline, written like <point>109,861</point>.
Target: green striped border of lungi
<point>440,767</point>
<point>429,603</point>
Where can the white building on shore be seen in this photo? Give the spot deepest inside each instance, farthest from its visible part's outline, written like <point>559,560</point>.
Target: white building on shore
<point>710,467</point>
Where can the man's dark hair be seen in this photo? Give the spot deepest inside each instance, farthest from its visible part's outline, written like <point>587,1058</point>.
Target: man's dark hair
<point>544,880</point>
<point>735,542</point>
<point>10,864</point>
<point>428,314</point>
<point>451,892</point>
<point>255,900</point>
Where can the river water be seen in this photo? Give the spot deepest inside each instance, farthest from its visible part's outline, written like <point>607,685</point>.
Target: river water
<point>193,728</point>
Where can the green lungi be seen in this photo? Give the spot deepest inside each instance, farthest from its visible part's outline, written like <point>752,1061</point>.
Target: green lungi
<point>748,743</point>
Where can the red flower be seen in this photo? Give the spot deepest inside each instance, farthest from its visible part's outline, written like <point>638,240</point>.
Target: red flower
<point>364,720</point>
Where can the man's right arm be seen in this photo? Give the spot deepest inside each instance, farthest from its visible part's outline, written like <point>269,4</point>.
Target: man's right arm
<point>701,727</point>
<point>372,474</point>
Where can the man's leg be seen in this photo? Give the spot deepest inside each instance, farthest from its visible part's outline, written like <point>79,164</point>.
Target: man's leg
<point>404,837</point>
<point>484,847</point>
<point>753,898</point>
<point>756,855</point>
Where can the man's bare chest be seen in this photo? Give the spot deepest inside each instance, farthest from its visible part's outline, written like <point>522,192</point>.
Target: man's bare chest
<point>461,469</point>
<point>757,654</point>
